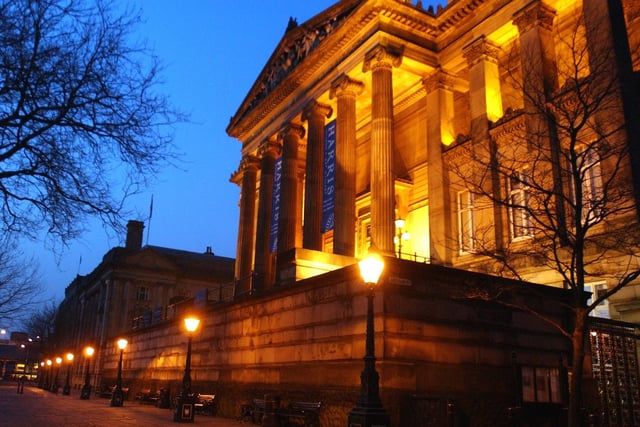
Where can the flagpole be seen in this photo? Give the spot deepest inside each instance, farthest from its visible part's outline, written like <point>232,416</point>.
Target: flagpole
<point>150,216</point>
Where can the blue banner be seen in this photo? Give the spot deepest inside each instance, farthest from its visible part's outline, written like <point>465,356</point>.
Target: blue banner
<point>329,177</point>
<point>275,207</point>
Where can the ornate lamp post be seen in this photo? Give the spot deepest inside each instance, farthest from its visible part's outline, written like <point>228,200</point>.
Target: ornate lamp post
<point>183,411</point>
<point>85,393</point>
<point>47,381</point>
<point>55,386</point>
<point>118,395</point>
<point>402,236</point>
<point>66,390</point>
<point>41,375</point>
<point>369,411</point>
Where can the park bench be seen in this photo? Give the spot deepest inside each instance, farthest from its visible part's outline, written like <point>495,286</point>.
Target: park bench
<point>205,404</point>
<point>147,396</point>
<point>295,414</point>
<point>305,414</point>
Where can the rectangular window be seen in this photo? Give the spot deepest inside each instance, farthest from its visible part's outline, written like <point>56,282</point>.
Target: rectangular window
<point>597,289</point>
<point>541,385</point>
<point>142,293</point>
<point>465,221</point>
<point>589,164</point>
<point>519,219</point>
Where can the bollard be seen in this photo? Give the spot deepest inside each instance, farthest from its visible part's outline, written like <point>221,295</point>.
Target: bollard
<point>271,408</point>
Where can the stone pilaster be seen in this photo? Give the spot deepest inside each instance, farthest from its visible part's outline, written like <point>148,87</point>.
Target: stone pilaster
<point>380,61</point>
<point>288,218</point>
<point>485,98</point>
<point>345,90</point>
<point>314,114</point>
<point>537,52</point>
<point>246,175</point>
<point>440,114</point>
<point>263,279</point>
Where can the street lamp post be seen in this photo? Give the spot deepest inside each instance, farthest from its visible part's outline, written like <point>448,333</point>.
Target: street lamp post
<point>369,411</point>
<point>402,235</point>
<point>55,386</point>
<point>85,393</point>
<point>47,381</point>
<point>183,411</point>
<point>66,390</point>
<point>118,395</point>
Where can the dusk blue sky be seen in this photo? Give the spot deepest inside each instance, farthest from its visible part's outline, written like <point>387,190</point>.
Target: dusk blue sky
<point>212,51</point>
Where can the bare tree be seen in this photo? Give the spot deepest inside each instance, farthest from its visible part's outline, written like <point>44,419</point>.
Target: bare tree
<point>555,173</point>
<point>20,285</point>
<point>81,125</point>
<point>41,321</point>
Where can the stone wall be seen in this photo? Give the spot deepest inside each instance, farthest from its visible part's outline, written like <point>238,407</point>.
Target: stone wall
<point>306,342</point>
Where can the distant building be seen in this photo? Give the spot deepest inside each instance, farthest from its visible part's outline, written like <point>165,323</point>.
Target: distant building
<point>134,287</point>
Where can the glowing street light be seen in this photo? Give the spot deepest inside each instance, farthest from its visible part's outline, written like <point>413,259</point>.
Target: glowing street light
<point>184,406</point>
<point>118,395</point>
<point>369,411</point>
<point>85,393</point>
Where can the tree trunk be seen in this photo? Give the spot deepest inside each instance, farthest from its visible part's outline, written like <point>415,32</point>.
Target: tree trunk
<point>577,369</point>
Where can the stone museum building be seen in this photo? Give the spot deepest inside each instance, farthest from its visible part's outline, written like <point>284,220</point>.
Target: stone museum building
<point>470,145</point>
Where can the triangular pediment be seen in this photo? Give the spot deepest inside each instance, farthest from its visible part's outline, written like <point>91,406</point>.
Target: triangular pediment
<point>298,43</point>
<point>148,258</point>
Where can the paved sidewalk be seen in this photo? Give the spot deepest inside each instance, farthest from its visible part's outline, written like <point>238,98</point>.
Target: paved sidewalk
<point>39,408</point>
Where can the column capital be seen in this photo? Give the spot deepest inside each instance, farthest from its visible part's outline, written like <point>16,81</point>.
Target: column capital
<point>382,57</point>
<point>345,86</point>
<point>269,148</point>
<point>291,129</point>
<point>314,108</point>
<point>481,49</point>
<point>439,79</point>
<point>247,163</point>
<point>534,14</point>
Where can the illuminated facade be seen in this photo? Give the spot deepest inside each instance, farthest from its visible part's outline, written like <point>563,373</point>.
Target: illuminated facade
<point>360,116</point>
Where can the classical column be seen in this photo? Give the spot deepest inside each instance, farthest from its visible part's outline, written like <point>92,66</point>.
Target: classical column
<point>315,114</point>
<point>380,61</point>
<point>263,279</point>
<point>246,174</point>
<point>440,132</point>
<point>345,90</point>
<point>288,218</point>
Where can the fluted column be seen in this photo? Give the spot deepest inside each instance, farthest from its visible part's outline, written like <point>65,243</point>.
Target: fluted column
<point>345,90</point>
<point>287,224</point>
<point>246,174</point>
<point>263,279</point>
<point>380,61</point>
<point>440,132</point>
<point>315,114</point>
